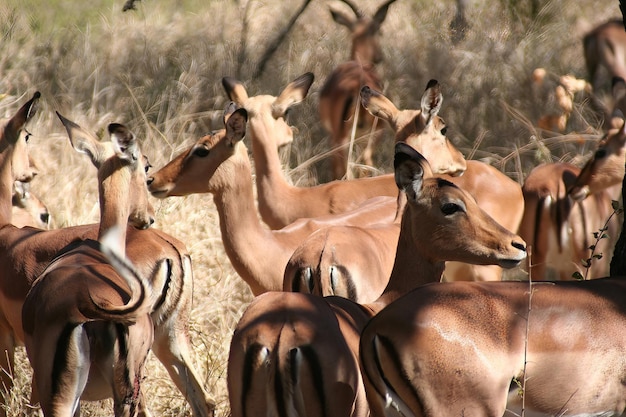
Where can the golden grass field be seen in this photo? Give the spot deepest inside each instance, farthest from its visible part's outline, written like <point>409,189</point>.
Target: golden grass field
<point>158,70</point>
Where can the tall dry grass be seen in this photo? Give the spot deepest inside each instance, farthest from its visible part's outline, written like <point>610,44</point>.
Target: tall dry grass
<point>158,70</point>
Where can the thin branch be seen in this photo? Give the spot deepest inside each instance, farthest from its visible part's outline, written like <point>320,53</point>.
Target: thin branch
<point>271,49</point>
<point>243,43</point>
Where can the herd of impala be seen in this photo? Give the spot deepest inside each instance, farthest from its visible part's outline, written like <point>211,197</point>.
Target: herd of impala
<point>376,296</point>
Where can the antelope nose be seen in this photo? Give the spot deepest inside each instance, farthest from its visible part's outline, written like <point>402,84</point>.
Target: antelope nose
<point>150,180</point>
<point>519,245</point>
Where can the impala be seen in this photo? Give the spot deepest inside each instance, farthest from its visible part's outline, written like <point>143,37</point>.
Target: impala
<point>28,209</point>
<point>279,202</point>
<point>24,254</point>
<point>497,194</point>
<point>219,164</point>
<point>356,262</point>
<point>339,97</point>
<point>347,261</point>
<point>566,205</point>
<point>87,324</point>
<point>605,46</point>
<point>466,348</point>
<point>307,346</point>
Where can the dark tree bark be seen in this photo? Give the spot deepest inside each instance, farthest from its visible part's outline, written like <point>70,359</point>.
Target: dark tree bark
<point>618,262</point>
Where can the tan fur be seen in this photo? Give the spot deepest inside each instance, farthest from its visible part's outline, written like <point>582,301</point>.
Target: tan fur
<point>339,96</point>
<point>423,129</point>
<point>357,262</point>
<point>455,349</point>
<point>28,209</point>
<point>279,202</point>
<point>566,205</point>
<point>87,319</point>
<point>24,253</point>
<point>284,337</point>
<point>219,164</point>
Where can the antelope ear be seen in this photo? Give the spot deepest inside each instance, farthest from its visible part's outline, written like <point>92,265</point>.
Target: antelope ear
<point>235,121</point>
<point>377,104</point>
<point>381,13</point>
<point>124,142</point>
<point>431,101</point>
<point>19,119</point>
<point>343,18</point>
<point>294,93</point>
<point>410,170</point>
<point>84,142</point>
<point>235,90</point>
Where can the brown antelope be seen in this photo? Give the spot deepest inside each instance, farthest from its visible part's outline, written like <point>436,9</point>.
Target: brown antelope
<point>502,199</point>
<point>307,346</point>
<point>279,202</point>
<point>339,97</point>
<point>219,164</point>
<point>605,46</point>
<point>86,318</point>
<point>466,348</point>
<point>24,254</point>
<point>566,205</point>
<point>328,263</point>
<point>28,209</point>
<point>331,262</point>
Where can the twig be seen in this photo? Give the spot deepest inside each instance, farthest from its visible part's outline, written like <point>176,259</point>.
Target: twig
<point>355,122</point>
<point>271,49</point>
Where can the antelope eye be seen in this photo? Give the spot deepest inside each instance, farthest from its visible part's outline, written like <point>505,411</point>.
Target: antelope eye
<point>444,130</point>
<point>201,152</point>
<point>600,153</point>
<point>450,208</point>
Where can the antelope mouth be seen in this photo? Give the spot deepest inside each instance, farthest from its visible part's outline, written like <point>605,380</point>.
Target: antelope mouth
<point>162,193</point>
<point>510,263</point>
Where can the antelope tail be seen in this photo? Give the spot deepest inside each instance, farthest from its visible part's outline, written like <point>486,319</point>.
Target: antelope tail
<point>143,293</point>
<point>297,358</point>
<point>285,395</point>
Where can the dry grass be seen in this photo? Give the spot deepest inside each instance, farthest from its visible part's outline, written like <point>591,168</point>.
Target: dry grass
<point>158,70</point>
